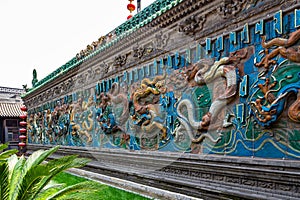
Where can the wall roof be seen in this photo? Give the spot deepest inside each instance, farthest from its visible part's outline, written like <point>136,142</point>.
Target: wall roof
<point>139,20</point>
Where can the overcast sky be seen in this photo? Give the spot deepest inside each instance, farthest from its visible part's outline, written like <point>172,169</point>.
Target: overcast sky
<point>44,34</point>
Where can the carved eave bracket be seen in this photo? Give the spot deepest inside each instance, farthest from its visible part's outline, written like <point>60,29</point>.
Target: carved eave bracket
<point>229,8</point>
<point>161,40</point>
<point>191,25</point>
<point>138,51</point>
<point>120,60</point>
<point>104,67</point>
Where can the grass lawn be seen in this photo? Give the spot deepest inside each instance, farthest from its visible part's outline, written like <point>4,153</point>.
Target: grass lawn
<point>104,193</point>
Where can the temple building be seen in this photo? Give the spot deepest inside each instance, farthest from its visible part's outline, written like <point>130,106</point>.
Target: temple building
<point>190,97</point>
<point>10,104</point>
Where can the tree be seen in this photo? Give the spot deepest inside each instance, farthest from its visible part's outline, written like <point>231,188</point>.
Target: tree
<point>26,179</point>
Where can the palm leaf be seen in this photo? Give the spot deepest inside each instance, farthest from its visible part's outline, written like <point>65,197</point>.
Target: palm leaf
<point>3,146</point>
<point>6,154</point>
<point>32,173</point>
<point>12,161</point>
<point>69,162</point>
<point>38,157</point>
<point>4,182</point>
<point>85,187</point>
<point>30,181</point>
<point>29,189</point>
<point>56,166</point>
<point>23,179</point>
<point>50,189</point>
<point>15,178</point>
<point>53,185</point>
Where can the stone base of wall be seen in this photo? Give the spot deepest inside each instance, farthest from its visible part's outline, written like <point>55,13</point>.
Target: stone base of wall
<point>208,177</point>
<point>141,189</point>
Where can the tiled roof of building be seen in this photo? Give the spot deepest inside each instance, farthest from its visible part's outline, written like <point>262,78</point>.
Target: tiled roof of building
<point>8,90</point>
<point>10,109</point>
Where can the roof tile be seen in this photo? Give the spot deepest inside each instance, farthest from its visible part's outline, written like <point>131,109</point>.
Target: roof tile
<point>10,109</point>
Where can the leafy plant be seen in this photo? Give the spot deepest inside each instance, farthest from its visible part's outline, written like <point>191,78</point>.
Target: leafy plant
<point>27,179</point>
<point>6,154</point>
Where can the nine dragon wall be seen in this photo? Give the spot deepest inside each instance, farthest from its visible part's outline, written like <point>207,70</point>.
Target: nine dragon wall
<point>236,95</point>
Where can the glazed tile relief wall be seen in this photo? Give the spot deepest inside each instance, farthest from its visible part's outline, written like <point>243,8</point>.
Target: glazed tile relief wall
<point>236,95</point>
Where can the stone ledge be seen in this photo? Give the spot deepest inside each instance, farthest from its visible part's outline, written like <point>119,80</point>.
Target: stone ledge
<point>208,158</point>
<point>122,184</point>
<point>206,177</point>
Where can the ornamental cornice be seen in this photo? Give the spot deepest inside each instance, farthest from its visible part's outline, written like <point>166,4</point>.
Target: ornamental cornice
<point>187,17</point>
<point>248,12</point>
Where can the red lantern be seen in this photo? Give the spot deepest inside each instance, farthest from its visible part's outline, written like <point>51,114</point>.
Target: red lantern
<point>23,137</point>
<point>23,108</point>
<point>22,144</point>
<point>24,116</point>
<point>23,130</point>
<point>131,7</point>
<point>23,123</point>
